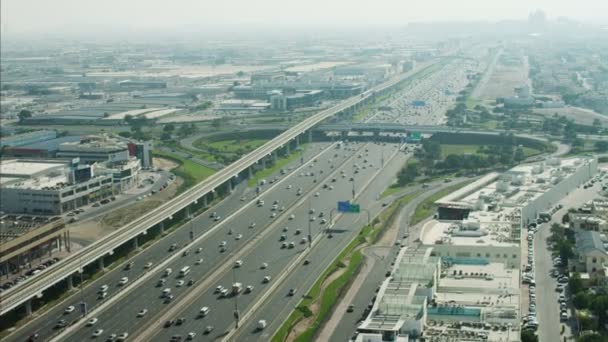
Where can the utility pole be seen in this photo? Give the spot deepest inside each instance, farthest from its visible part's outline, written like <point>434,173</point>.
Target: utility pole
<point>236,304</point>
<point>309,226</point>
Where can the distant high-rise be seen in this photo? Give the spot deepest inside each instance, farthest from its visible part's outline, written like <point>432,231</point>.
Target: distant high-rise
<point>537,18</point>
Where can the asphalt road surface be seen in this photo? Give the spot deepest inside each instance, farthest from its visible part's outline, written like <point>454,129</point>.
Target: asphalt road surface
<point>257,245</point>
<point>44,324</point>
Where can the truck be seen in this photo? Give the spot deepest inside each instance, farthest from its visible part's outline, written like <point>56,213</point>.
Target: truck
<point>237,288</point>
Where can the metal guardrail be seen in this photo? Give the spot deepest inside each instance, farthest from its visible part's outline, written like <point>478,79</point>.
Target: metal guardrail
<point>35,285</point>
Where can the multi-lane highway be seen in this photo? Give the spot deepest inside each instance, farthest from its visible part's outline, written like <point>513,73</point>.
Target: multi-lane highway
<point>121,316</point>
<point>155,254</point>
<point>37,284</point>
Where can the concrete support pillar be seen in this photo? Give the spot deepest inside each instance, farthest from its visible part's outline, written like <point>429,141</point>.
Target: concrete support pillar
<point>70,282</point>
<point>250,172</point>
<point>274,157</point>
<point>230,188</point>
<point>263,161</point>
<point>188,211</point>
<point>288,148</point>
<point>310,135</point>
<point>102,265</point>
<point>136,242</point>
<point>205,201</point>
<point>297,141</point>
<point>162,227</point>
<point>28,307</point>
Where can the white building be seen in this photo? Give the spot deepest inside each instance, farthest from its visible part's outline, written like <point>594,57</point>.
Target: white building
<point>49,187</point>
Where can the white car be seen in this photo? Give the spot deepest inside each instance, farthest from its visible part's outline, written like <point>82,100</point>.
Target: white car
<point>292,216</point>
<point>266,279</point>
<point>289,186</point>
<point>180,283</point>
<point>199,250</point>
<point>148,265</point>
<point>264,266</point>
<point>123,281</point>
<point>252,224</point>
<point>223,244</point>
<point>123,336</point>
<point>273,215</point>
<point>190,336</point>
<point>248,289</point>
<point>97,332</point>
<point>238,263</point>
<point>219,288</point>
<point>69,309</point>
<point>224,292</point>
<point>238,237</point>
<point>317,194</point>
<point>142,312</point>
<point>92,321</point>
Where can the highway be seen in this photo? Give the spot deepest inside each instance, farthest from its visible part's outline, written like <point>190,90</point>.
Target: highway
<point>44,324</point>
<point>264,247</point>
<point>37,284</point>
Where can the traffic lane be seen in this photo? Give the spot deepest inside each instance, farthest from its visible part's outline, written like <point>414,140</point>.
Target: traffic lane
<point>44,324</point>
<point>322,255</point>
<point>547,305</point>
<point>252,274</point>
<point>176,267</point>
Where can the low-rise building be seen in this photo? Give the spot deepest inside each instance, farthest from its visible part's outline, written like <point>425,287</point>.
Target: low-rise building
<point>49,187</point>
<point>591,256</point>
<point>591,222</point>
<point>92,149</point>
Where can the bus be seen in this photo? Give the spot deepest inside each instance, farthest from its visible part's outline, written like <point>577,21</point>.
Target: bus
<point>184,271</point>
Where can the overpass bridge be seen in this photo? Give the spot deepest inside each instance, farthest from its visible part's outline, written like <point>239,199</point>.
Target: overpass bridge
<point>63,270</point>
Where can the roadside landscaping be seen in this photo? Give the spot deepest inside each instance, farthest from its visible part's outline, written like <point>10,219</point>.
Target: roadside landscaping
<point>281,162</point>
<point>428,206</point>
<point>191,172</point>
<point>312,312</point>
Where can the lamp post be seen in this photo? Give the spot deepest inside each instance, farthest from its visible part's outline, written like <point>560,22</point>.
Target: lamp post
<point>236,303</point>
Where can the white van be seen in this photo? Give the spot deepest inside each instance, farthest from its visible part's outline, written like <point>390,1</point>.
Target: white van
<point>204,311</point>
<point>168,272</point>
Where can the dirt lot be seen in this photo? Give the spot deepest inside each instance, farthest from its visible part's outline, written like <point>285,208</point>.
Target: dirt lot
<point>89,231</point>
<point>164,164</point>
<point>503,81</point>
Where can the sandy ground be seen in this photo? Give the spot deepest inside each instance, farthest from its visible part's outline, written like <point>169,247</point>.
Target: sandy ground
<point>90,231</point>
<point>164,164</point>
<point>503,82</point>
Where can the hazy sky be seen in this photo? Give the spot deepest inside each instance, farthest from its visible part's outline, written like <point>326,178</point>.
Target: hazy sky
<point>53,16</point>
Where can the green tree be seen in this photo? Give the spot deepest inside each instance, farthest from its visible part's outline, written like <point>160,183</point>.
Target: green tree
<point>519,154</point>
<point>528,336</point>
<point>169,128</point>
<point>216,123</point>
<point>601,146</point>
<point>24,114</point>
<point>575,284</point>
<point>582,300</point>
<point>408,174</point>
<point>166,136</point>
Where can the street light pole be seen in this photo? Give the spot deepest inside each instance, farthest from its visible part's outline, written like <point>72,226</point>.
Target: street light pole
<point>309,226</point>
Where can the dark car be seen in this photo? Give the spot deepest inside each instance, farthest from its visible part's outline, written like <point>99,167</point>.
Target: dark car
<point>169,323</point>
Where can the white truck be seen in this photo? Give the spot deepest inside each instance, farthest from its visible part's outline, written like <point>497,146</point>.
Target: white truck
<point>237,288</point>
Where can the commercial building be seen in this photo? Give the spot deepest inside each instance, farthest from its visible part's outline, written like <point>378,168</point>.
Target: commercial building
<point>129,84</point>
<point>369,71</point>
<point>124,173</point>
<point>579,221</point>
<point>41,149</point>
<point>27,138</point>
<point>295,99</point>
<point>24,239</point>
<point>142,150</point>
<point>49,187</point>
<point>244,105</point>
<point>92,149</point>
<point>331,89</point>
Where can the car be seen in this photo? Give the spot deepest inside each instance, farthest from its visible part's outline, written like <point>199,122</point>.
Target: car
<point>160,282</point>
<point>102,295</point>
<point>176,338</point>
<point>198,262</point>
<point>173,247</point>
<point>123,336</point>
<point>292,292</point>
<point>283,237</point>
<point>69,309</point>
<point>218,289</point>
<point>169,323</point>
<point>92,321</point>
<point>185,253</point>
<point>123,281</point>
<point>312,218</point>
<point>248,289</point>
<point>208,329</point>
<point>273,215</point>
<point>198,250</point>
<point>317,194</point>
<point>222,249</point>
<point>266,279</point>
<point>129,265</point>
<point>217,218</point>
<point>180,283</point>
<point>190,282</point>
<point>148,265</point>
<point>103,288</point>
<point>252,224</point>
<point>111,337</point>
<point>180,321</point>
<point>238,237</point>
<point>142,312</point>
<point>190,336</point>
<point>323,221</point>
<point>350,308</point>
<point>169,298</point>
<point>292,216</point>
<point>264,266</point>
<point>97,333</point>
<point>61,324</point>
<point>238,263</point>
<point>298,231</point>
<point>223,244</point>
<point>306,262</point>
<point>224,293</point>
<point>563,316</point>
<point>291,245</point>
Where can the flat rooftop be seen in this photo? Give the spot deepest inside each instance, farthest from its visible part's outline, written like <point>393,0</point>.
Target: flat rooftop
<point>493,233</point>
<point>22,168</point>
